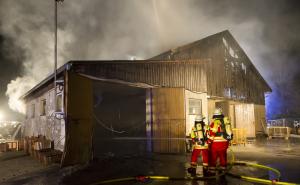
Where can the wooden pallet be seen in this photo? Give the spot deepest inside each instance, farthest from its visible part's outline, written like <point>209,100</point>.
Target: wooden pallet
<point>49,157</point>
<point>41,149</point>
<point>10,146</point>
<point>3,147</point>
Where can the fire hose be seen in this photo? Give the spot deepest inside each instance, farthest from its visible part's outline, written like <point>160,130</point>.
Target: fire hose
<point>232,163</point>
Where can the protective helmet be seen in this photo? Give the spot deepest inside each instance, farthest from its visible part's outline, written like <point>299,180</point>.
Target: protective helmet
<point>199,118</point>
<point>218,112</point>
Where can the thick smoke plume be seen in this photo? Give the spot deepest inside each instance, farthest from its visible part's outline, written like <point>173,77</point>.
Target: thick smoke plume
<point>31,29</point>
<point>118,29</point>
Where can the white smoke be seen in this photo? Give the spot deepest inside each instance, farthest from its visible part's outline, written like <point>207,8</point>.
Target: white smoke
<point>33,34</point>
<point>38,65</point>
<point>117,29</point>
<point>15,89</point>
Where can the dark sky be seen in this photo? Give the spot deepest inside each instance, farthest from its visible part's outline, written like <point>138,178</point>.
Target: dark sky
<point>10,69</point>
<point>268,31</point>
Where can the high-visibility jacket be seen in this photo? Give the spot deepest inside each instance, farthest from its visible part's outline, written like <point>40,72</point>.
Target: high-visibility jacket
<point>199,136</point>
<point>219,132</point>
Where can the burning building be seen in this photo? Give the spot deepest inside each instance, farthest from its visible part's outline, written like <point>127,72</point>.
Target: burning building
<point>119,107</point>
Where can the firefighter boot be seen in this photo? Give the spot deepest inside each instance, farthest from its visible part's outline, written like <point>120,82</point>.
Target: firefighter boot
<point>205,171</point>
<point>211,171</point>
<point>222,178</point>
<point>192,171</point>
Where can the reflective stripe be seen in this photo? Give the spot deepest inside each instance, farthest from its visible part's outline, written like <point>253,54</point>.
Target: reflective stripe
<point>212,169</point>
<point>217,141</point>
<point>211,137</point>
<point>222,168</point>
<point>200,147</point>
<point>218,137</point>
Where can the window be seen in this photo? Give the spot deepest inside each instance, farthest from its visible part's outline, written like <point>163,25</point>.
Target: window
<point>59,103</point>
<point>32,111</point>
<point>27,112</point>
<point>195,107</point>
<point>43,107</point>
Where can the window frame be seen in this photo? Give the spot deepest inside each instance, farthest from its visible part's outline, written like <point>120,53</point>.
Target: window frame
<point>43,104</point>
<point>32,110</point>
<point>199,107</point>
<point>59,107</point>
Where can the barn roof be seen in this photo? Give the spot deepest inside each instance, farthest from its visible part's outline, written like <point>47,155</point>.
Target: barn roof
<point>199,50</point>
<point>91,65</point>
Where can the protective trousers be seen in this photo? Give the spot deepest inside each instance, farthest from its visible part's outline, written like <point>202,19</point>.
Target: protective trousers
<point>218,150</point>
<point>195,155</point>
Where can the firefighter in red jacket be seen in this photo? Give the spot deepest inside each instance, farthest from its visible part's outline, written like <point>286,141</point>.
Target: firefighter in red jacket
<point>199,139</point>
<point>220,134</point>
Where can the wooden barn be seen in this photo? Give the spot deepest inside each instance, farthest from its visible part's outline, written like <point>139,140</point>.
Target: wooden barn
<point>122,107</point>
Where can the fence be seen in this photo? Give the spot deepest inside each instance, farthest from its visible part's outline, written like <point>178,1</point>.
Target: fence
<point>292,123</point>
<point>239,136</point>
<point>279,132</point>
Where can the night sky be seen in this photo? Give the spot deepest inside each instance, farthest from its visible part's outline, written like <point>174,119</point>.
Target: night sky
<point>268,31</point>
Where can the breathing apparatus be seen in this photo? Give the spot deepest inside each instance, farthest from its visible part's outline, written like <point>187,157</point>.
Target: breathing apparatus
<point>199,121</point>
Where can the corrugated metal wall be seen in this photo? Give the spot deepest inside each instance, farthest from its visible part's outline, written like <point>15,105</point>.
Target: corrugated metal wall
<point>190,74</point>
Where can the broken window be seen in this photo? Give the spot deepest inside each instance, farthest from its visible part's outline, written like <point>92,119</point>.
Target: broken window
<point>43,107</point>
<point>27,113</point>
<point>244,68</point>
<point>231,52</point>
<point>32,111</point>
<point>195,107</point>
<point>225,42</point>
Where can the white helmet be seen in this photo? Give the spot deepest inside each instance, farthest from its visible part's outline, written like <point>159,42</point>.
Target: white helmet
<point>199,118</point>
<point>218,112</point>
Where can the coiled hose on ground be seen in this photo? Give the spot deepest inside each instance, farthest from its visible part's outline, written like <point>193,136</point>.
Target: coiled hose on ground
<point>146,178</point>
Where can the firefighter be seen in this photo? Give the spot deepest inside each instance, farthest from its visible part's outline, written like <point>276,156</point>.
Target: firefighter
<point>220,134</point>
<point>199,140</point>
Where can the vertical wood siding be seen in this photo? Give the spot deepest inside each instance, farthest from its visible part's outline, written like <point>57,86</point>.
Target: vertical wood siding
<point>245,118</point>
<point>230,73</point>
<point>260,118</point>
<point>79,126</point>
<point>168,120</point>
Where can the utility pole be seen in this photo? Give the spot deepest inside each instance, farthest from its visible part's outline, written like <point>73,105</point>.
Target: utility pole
<point>55,49</point>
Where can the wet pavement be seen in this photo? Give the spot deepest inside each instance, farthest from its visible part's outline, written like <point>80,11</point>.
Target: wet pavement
<point>20,168</point>
<point>281,154</point>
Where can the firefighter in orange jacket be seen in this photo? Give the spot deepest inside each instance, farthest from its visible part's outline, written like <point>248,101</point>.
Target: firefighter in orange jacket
<point>220,134</point>
<point>199,139</point>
